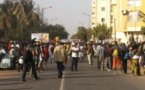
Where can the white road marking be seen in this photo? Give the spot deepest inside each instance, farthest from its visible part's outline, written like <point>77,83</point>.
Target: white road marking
<point>62,82</point>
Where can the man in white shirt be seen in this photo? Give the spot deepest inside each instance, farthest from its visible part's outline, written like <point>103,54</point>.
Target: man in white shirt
<point>75,57</point>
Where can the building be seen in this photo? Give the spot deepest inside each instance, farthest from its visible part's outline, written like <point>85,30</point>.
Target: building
<point>127,22</point>
<point>100,12</point>
<point>122,15</point>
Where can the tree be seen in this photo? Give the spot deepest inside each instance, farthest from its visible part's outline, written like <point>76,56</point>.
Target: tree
<point>54,31</point>
<point>102,32</point>
<point>57,31</point>
<point>26,16</point>
<point>143,30</point>
<point>142,15</point>
<point>83,34</point>
<point>18,18</point>
<point>8,21</point>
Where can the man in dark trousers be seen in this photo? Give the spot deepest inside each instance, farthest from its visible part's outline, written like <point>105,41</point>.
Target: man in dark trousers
<point>29,62</point>
<point>60,56</point>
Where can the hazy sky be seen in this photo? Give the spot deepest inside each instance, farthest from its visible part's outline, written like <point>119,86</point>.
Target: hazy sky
<point>68,13</point>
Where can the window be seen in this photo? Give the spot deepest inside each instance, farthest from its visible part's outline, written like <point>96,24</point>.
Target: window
<point>93,23</point>
<point>134,2</point>
<point>133,16</point>
<point>93,13</point>
<point>103,8</point>
<point>103,20</point>
<point>111,16</point>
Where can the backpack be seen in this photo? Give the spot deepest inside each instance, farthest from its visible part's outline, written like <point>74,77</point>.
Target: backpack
<point>126,56</point>
<point>115,52</point>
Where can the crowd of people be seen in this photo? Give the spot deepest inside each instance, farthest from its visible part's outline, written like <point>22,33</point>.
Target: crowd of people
<point>106,56</point>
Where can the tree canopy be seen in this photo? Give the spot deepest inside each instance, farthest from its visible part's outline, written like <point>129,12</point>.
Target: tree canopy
<point>102,32</point>
<point>18,19</point>
<point>83,34</point>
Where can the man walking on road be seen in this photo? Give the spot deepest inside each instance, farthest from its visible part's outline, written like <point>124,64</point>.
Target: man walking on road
<point>59,57</point>
<point>75,56</point>
<point>101,57</point>
<point>29,62</point>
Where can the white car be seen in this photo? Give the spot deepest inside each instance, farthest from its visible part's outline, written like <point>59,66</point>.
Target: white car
<point>7,62</point>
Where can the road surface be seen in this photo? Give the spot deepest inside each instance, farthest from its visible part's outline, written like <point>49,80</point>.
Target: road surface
<point>86,78</point>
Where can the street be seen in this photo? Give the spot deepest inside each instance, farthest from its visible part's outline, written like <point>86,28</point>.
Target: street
<point>86,78</point>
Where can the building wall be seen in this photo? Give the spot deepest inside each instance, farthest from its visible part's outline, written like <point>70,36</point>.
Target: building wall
<point>94,14</point>
<point>121,15</point>
<point>126,21</point>
<point>100,12</point>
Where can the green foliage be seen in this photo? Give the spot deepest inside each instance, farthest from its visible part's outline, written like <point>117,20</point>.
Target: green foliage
<point>18,20</point>
<point>82,34</point>
<point>15,18</point>
<point>142,15</point>
<point>143,30</point>
<point>54,31</point>
<point>102,32</point>
<point>58,30</point>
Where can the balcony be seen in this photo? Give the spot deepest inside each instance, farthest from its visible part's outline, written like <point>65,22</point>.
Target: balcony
<point>134,28</point>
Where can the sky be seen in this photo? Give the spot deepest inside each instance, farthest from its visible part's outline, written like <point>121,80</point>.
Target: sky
<point>68,13</point>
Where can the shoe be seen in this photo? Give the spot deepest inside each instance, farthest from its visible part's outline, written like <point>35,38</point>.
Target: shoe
<point>109,70</point>
<point>36,78</point>
<point>23,80</point>
<point>60,77</point>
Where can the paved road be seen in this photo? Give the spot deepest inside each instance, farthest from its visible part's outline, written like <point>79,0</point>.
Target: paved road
<point>86,78</point>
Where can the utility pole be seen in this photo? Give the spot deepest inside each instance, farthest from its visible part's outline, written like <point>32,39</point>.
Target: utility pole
<point>42,12</point>
<point>88,15</point>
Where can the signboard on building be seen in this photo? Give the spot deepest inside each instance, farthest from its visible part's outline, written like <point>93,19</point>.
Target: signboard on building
<point>42,37</point>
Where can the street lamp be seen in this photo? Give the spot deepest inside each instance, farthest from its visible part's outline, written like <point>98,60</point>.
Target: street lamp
<point>42,13</point>
<point>88,15</point>
<point>89,26</point>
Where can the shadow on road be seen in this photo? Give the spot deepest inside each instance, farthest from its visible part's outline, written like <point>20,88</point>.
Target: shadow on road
<point>9,79</point>
<point>28,88</point>
<point>92,76</point>
<point>14,83</point>
<point>9,74</point>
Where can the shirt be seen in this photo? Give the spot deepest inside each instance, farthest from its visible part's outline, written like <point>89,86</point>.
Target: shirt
<point>75,51</point>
